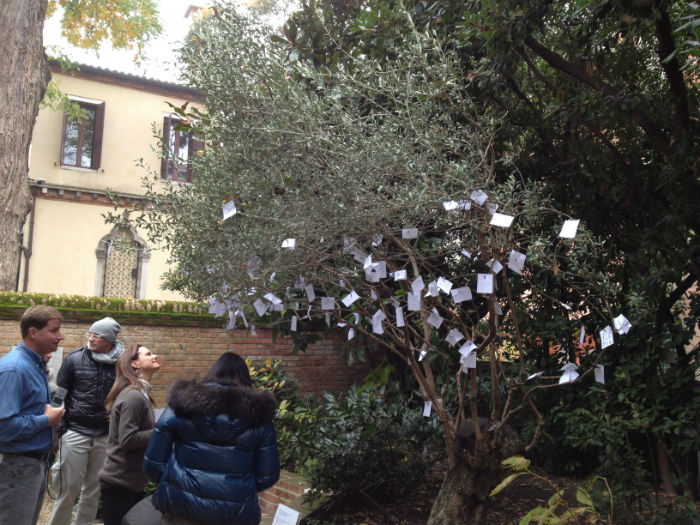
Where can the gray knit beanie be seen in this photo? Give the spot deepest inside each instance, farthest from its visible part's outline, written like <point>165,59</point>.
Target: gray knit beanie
<point>107,328</point>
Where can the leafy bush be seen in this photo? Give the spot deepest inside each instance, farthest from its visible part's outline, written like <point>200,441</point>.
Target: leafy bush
<point>294,419</point>
<point>270,375</point>
<point>369,441</point>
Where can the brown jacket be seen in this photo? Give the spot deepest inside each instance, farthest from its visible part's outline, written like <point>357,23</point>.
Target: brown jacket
<point>131,423</point>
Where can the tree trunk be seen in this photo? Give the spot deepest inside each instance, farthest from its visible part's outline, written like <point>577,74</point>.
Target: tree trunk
<point>25,71</point>
<point>466,486</point>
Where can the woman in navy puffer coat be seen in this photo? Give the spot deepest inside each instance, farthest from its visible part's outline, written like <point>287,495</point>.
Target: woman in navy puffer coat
<point>214,448</point>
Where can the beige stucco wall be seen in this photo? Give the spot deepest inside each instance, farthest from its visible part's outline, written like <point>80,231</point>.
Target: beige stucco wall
<point>63,257</point>
<point>66,229</point>
<point>127,137</point>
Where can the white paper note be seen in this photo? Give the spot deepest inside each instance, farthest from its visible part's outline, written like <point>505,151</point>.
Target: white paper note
<point>327,303</point>
<point>495,266</point>
<point>516,262</point>
<point>417,285</point>
<point>290,244</point>
<point>622,324</point>
<point>310,294</point>
<point>479,197</point>
<point>568,230</point>
<point>350,298</point>
<point>606,337</point>
<point>434,319</point>
<point>433,289</point>
<point>293,326</point>
<point>260,307</point>
<point>599,374</point>
<point>400,275</point>
<point>359,255</point>
<point>484,283</point>
<point>427,408</point>
<point>468,361</point>
<point>501,220</point>
<point>568,377</point>
<point>454,336</point>
<point>444,285</point>
<point>413,302</point>
<point>409,233</point>
<point>286,516</point>
<point>400,322</point>
<point>228,208</point>
<point>377,319</point>
<point>462,294</point>
<point>467,348</point>
<point>272,298</point>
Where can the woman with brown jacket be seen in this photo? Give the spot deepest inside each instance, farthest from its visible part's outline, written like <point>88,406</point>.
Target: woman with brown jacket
<point>131,423</point>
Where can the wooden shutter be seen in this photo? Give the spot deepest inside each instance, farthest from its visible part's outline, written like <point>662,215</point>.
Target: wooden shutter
<point>96,160</point>
<point>166,148</point>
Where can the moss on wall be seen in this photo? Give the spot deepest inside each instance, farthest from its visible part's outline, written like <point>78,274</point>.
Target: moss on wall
<point>131,311</point>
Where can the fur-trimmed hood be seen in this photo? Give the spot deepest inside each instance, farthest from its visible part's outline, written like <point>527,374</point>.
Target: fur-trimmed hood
<point>188,399</point>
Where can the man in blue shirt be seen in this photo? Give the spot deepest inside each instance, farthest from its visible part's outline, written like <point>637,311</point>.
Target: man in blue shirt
<point>27,417</point>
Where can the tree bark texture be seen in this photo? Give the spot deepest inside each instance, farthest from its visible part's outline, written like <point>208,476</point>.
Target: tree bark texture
<point>25,75</point>
<point>466,487</point>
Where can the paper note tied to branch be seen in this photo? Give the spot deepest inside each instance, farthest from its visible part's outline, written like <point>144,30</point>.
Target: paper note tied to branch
<point>484,283</point>
<point>516,262</point>
<point>228,209</point>
<point>501,220</point>
<point>568,230</point>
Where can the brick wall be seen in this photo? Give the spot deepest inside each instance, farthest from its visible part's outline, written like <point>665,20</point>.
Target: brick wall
<point>191,350</point>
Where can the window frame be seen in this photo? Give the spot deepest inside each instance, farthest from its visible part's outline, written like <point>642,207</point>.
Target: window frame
<point>98,130</point>
<point>181,172</point>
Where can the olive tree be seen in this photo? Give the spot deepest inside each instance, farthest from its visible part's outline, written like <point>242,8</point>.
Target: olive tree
<point>365,197</point>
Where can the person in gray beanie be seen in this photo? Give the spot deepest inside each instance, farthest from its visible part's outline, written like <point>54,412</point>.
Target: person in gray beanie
<point>87,374</point>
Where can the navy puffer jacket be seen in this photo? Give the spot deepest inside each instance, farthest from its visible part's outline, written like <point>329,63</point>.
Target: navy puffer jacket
<point>212,450</point>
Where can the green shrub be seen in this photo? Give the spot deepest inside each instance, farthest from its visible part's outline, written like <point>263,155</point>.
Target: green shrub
<point>369,441</point>
<point>294,419</point>
<point>270,375</point>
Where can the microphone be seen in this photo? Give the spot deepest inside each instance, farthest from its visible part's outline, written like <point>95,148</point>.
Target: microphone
<point>58,397</point>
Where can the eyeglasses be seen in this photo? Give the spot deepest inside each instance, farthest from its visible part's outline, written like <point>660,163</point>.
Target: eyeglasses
<point>92,335</point>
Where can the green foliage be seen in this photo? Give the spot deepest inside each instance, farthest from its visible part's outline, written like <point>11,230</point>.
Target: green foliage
<point>270,375</point>
<point>558,511</point>
<point>364,117</point>
<point>79,302</point>
<point>295,432</point>
<point>293,416</point>
<point>125,23</point>
<point>371,440</point>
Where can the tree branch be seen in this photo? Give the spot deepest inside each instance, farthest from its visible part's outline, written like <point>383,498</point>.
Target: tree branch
<point>655,134</point>
<point>672,68</point>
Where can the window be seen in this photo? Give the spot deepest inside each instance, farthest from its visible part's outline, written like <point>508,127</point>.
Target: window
<point>179,147</point>
<point>81,146</point>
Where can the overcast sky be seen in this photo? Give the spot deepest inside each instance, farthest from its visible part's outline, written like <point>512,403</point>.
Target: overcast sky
<point>159,56</point>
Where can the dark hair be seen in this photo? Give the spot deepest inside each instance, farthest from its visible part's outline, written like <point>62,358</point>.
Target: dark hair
<point>229,369</point>
<point>126,375</point>
<point>37,317</point>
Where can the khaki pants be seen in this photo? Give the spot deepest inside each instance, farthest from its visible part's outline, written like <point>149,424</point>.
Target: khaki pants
<point>79,460</point>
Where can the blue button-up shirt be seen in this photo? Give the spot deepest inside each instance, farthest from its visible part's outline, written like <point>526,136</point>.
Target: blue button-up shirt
<point>24,393</point>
